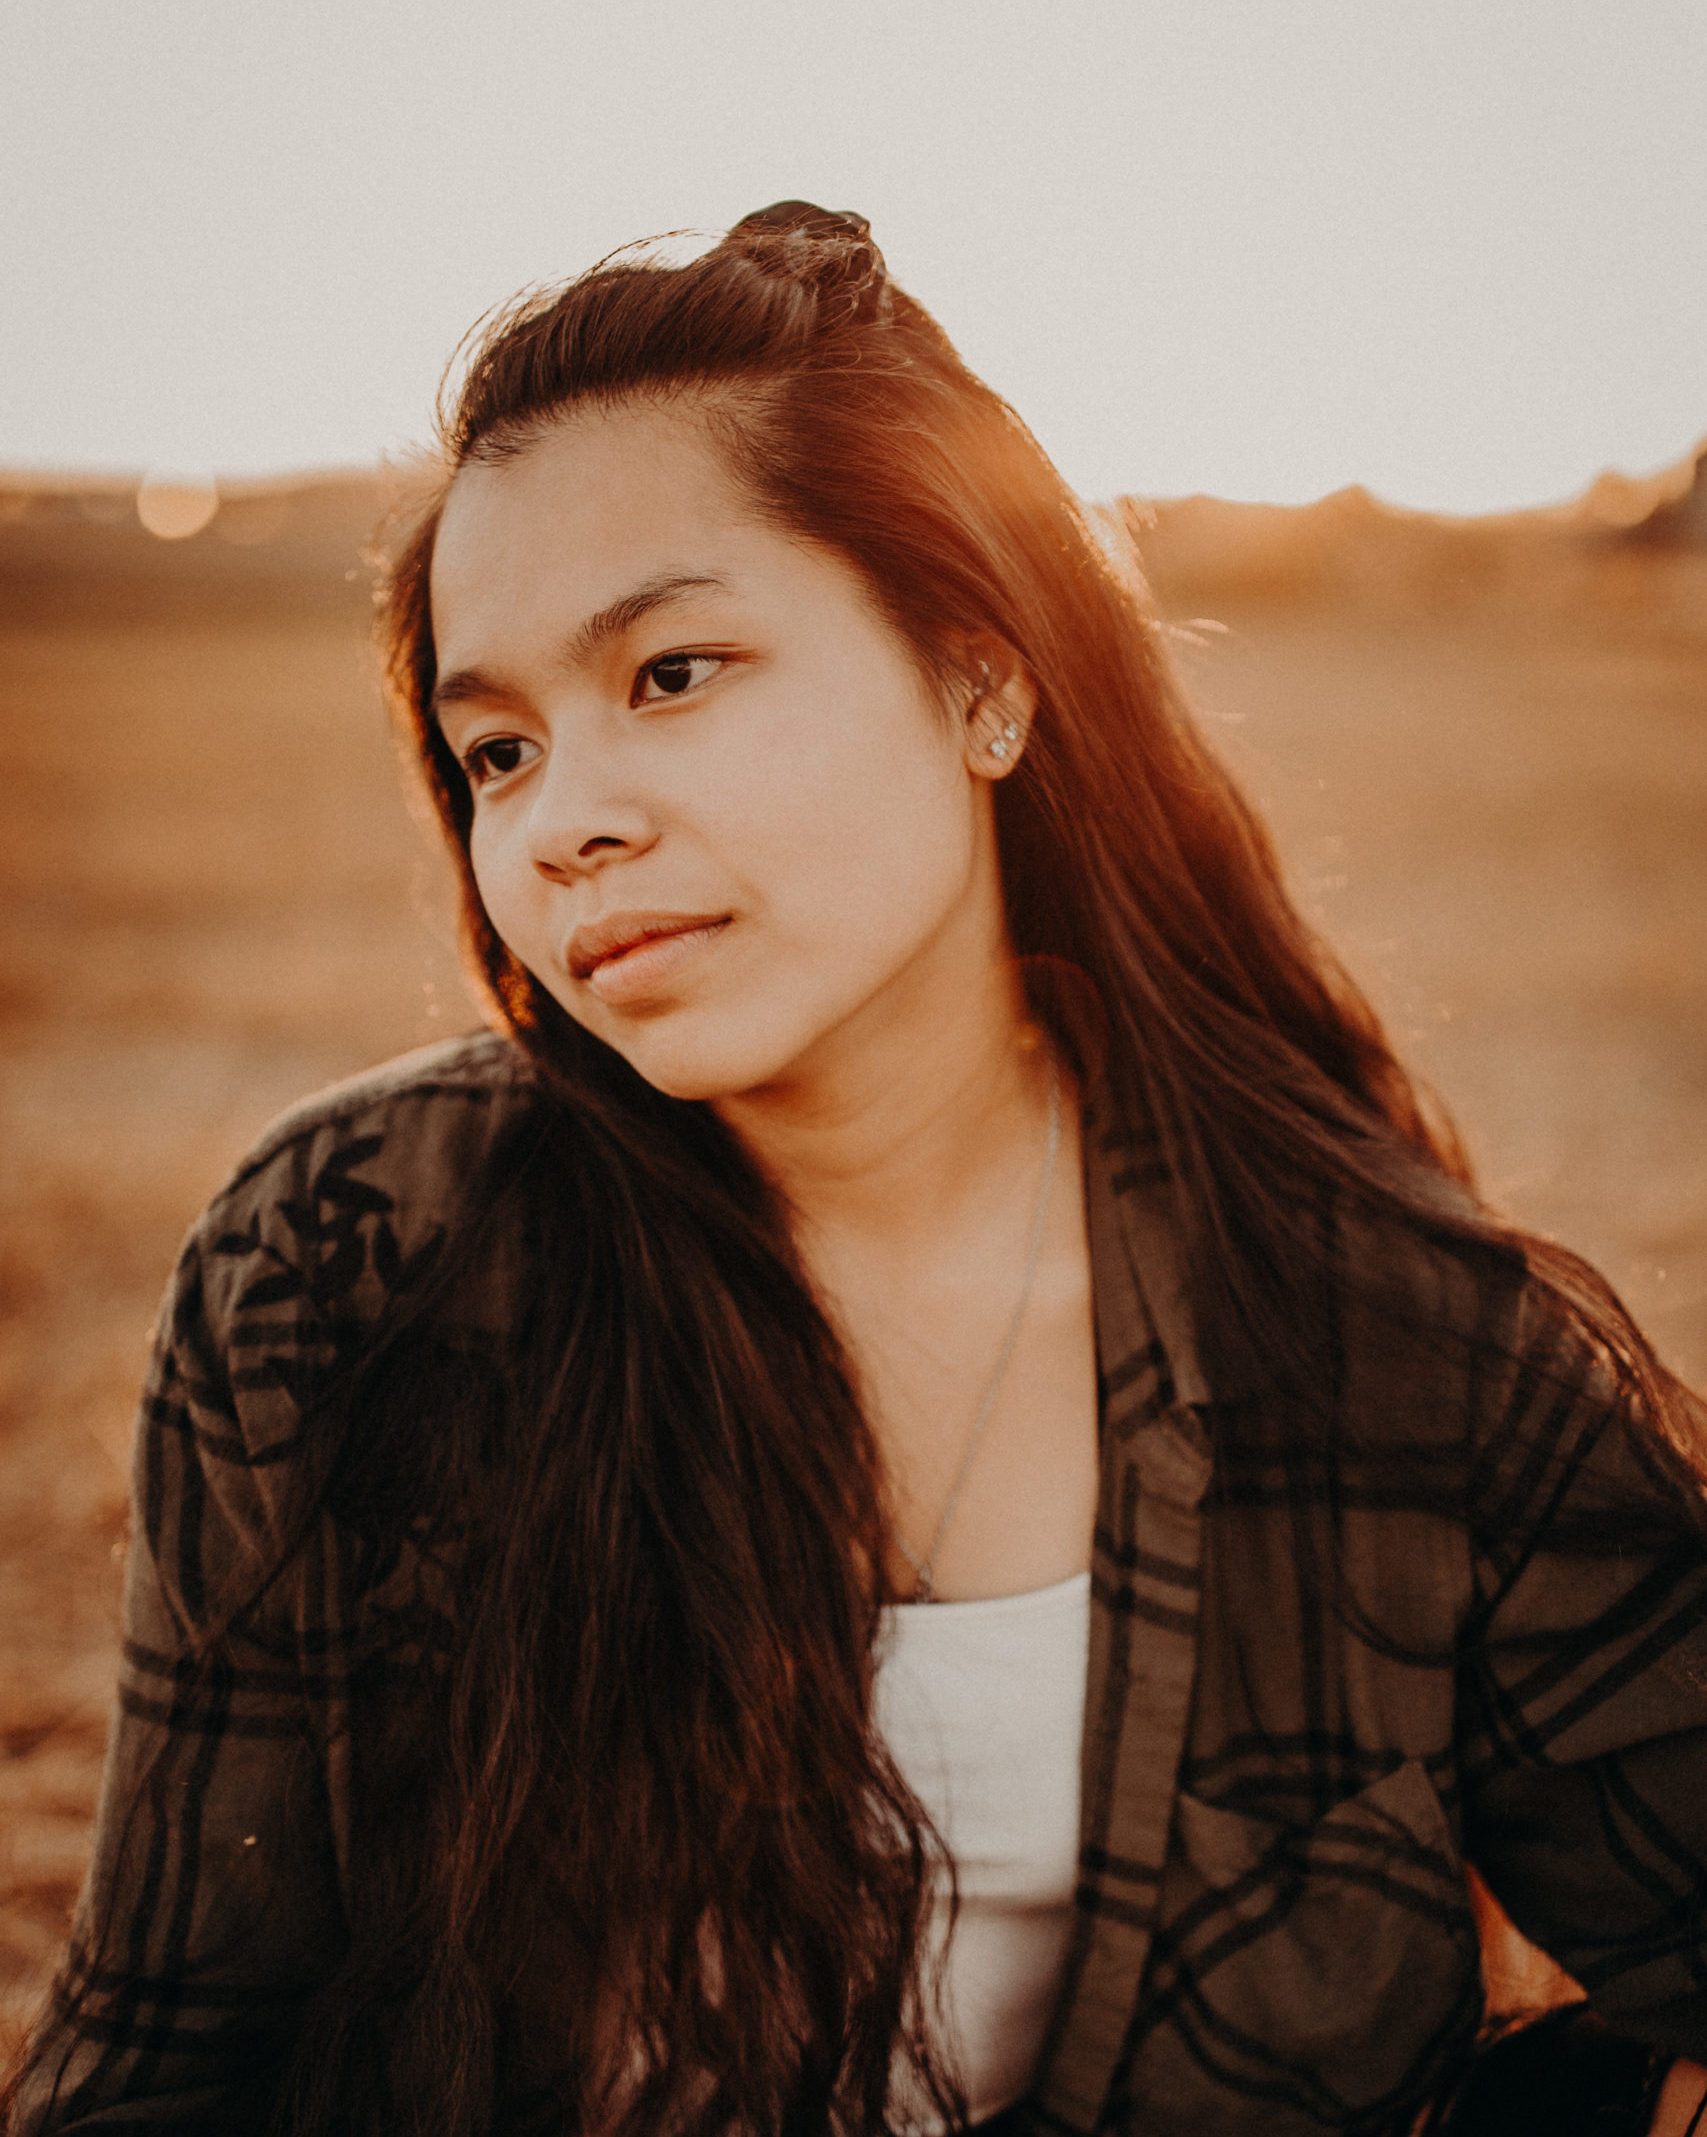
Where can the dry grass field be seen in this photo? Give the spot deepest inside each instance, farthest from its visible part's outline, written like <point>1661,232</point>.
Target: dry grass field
<point>1484,750</point>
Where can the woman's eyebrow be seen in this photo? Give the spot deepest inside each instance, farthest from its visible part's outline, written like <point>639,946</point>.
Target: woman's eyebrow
<point>467,685</point>
<point>627,609</point>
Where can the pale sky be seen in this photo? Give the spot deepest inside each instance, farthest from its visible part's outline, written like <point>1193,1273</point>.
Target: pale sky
<point>1455,250</point>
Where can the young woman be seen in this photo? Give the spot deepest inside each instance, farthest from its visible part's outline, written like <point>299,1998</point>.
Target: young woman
<point>918,1495</point>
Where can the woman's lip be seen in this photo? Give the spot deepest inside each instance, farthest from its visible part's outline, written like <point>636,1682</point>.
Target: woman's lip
<point>595,940</point>
<point>633,974</point>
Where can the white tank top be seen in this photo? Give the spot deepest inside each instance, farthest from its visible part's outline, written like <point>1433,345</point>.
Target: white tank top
<point>982,1706</point>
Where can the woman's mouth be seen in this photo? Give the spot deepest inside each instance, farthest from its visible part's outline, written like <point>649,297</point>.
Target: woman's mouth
<point>631,956</point>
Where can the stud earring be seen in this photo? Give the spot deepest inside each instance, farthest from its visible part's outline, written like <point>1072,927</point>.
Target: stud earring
<point>999,748</point>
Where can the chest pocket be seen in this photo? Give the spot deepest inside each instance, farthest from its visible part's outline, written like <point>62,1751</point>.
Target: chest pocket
<point>1308,1978</point>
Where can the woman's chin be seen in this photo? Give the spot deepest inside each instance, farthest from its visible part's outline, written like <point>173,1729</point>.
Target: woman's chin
<point>701,1066</point>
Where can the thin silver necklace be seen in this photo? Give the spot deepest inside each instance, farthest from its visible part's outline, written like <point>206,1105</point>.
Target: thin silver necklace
<point>923,1592</point>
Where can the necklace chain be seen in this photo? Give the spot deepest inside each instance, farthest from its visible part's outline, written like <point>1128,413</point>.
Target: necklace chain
<point>923,1591</point>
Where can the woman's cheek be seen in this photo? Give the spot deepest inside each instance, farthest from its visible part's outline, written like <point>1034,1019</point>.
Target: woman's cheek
<point>504,883</point>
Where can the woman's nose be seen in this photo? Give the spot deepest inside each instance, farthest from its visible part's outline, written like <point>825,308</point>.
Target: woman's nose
<point>579,823</point>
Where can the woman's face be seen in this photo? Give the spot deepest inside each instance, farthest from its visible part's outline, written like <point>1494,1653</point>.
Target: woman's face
<point>719,813</point>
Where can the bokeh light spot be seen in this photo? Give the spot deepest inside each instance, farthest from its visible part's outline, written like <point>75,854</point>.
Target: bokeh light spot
<point>175,505</point>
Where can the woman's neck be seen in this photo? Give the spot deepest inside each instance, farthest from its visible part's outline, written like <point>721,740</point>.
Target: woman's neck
<point>894,1128</point>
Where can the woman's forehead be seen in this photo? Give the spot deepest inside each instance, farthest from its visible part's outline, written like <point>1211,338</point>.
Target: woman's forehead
<point>593,478</point>
<point>594,505</point>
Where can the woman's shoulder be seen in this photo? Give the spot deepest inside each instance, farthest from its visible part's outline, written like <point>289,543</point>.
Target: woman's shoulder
<point>1457,1335</point>
<point>419,1130</point>
<point>346,1201</point>
<point>434,1105</point>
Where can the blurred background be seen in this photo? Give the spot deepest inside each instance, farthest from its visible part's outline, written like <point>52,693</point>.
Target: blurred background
<point>1393,321</point>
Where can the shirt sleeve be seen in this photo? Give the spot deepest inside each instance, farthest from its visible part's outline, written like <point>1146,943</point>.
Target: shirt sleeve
<point>212,1906</point>
<point>1583,1685</point>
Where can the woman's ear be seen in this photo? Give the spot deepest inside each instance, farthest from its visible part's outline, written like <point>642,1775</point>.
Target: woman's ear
<point>997,707</point>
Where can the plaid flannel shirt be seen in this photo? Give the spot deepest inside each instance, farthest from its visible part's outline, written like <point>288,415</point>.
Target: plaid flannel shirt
<point>1282,1774</point>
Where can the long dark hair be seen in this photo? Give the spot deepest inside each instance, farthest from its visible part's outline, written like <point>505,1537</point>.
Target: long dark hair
<point>649,1775</point>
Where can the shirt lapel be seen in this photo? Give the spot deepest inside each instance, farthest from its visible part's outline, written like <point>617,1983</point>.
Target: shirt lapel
<point>1155,1465</point>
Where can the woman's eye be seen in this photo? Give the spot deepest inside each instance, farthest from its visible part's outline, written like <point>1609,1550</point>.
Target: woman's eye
<point>674,674</point>
<point>494,758</point>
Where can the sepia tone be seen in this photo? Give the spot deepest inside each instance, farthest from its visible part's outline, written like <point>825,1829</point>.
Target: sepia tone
<point>1482,744</point>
